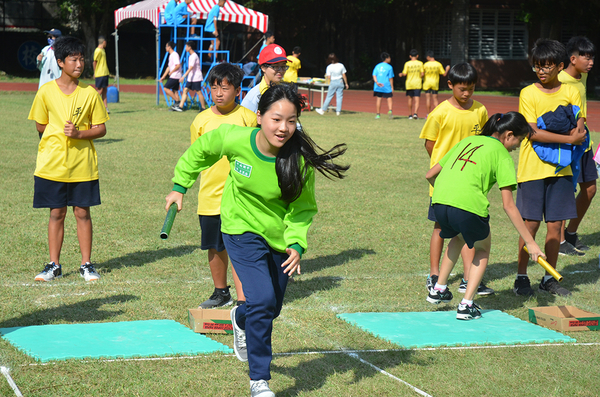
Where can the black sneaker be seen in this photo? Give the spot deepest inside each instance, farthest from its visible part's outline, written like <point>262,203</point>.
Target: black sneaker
<point>552,286</point>
<point>415,117</point>
<point>431,280</point>
<point>466,312</point>
<point>567,248</point>
<point>481,290</point>
<point>50,272</point>
<point>217,299</point>
<point>573,239</point>
<point>436,296</point>
<point>522,286</point>
<point>177,108</point>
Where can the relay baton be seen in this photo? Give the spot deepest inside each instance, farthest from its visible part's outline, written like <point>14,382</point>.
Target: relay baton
<point>544,263</point>
<point>166,229</point>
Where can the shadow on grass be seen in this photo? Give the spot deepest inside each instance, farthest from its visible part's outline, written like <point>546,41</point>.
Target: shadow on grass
<point>312,375</point>
<point>322,262</point>
<point>142,258</point>
<point>107,141</point>
<point>84,311</point>
<point>300,289</point>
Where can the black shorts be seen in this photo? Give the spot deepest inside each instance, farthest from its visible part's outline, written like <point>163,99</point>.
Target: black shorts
<point>455,221</point>
<point>193,85</point>
<point>383,94</point>
<point>211,238</point>
<point>52,194</point>
<point>101,82</point>
<point>551,199</point>
<point>172,84</point>
<point>431,213</point>
<point>416,93</point>
<point>588,170</point>
<point>431,92</point>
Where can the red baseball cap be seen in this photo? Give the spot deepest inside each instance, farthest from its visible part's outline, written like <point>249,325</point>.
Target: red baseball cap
<point>272,53</point>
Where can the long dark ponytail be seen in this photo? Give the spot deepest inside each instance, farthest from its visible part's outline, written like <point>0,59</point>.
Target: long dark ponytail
<point>511,121</point>
<point>291,170</point>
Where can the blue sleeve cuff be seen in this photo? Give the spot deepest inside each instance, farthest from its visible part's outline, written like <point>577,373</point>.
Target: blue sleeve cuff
<point>180,189</point>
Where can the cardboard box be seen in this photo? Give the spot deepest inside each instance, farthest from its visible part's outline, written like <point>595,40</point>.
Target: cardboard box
<point>210,321</point>
<point>565,318</point>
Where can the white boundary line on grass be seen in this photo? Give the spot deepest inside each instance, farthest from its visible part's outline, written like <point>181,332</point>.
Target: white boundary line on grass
<point>376,368</point>
<point>319,352</point>
<point>6,372</point>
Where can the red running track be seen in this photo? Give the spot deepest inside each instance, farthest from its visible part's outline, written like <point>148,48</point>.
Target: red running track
<point>363,101</point>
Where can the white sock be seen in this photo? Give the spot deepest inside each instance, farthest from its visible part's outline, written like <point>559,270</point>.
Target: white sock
<point>466,302</point>
<point>546,278</point>
<point>440,288</point>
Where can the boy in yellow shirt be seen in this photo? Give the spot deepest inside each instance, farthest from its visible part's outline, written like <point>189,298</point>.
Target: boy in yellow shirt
<point>291,75</point>
<point>449,123</point>
<point>431,84</point>
<point>543,193</point>
<point>413,70</point>
<point>68,115</point>
<point>101,72</point>
<point>581,60</point>
<point>225,80</point>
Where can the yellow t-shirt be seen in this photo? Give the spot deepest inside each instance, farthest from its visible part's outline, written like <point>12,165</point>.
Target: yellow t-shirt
<point>413,70</point>
<point>433,70</point>
<point>213,179</point>
<point>447,125</point>
<point>101,66</point>
<point>534,103</point>
<point>291,75</point>
<point>60,158</point>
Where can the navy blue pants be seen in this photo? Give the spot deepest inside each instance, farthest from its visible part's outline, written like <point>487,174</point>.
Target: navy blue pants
<point>259,269</point>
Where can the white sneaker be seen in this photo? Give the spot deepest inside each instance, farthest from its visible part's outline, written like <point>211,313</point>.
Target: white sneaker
<point>260,388</point>
<point>88,272</point>
<point>239,339</point>
<point>320,111</point>
<point>50,272</point>
<point>337,113</point>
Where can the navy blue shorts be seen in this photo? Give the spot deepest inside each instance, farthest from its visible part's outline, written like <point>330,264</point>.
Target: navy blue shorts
<point>383,94</point>
<point>455,221</point>
<point>194,85</point>
<point>172,84</point>
<point>101,82</point>
<point>211,237</point>
<point>551,199</point>
<point>416,93</point>
<point>430,91</point>
<point>588,172</point>
<point>431,213</point>
<point>52,194</point>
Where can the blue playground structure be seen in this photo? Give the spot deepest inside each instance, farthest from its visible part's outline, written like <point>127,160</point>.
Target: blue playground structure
<point>209,58</point>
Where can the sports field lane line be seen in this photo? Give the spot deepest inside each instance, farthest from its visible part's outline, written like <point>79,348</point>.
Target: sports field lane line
<point>376,368</point>
<point>319,352</point>
<point>6,372</point>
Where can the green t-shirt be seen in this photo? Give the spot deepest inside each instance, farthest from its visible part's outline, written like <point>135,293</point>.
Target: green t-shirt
<point>251,196</point>
<point>469,170</point>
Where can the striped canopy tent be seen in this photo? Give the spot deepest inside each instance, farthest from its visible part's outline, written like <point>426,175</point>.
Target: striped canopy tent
<point>151,10</point>
<point>231,12</point>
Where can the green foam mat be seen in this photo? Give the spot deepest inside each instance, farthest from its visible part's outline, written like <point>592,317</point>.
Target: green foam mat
<point>434,329</point>
<point>110,340</point>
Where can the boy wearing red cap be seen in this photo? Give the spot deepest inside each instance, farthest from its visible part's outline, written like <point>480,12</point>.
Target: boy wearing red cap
<point>273,63</point>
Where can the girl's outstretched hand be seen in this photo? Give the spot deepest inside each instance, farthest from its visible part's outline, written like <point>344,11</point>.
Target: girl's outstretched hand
<point>292,264</point>
<point>535,251</point>
<point>174,197</point>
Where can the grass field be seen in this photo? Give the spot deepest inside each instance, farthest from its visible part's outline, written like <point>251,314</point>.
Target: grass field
<point>368,251</point>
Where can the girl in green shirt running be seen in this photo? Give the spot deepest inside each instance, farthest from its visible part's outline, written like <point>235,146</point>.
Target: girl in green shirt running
<point>267,207</point>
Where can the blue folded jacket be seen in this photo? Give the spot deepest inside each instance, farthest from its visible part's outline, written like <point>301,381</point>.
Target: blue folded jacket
<point>561,121</point>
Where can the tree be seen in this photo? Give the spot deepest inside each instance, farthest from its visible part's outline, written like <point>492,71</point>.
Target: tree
<point>93,18</point>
